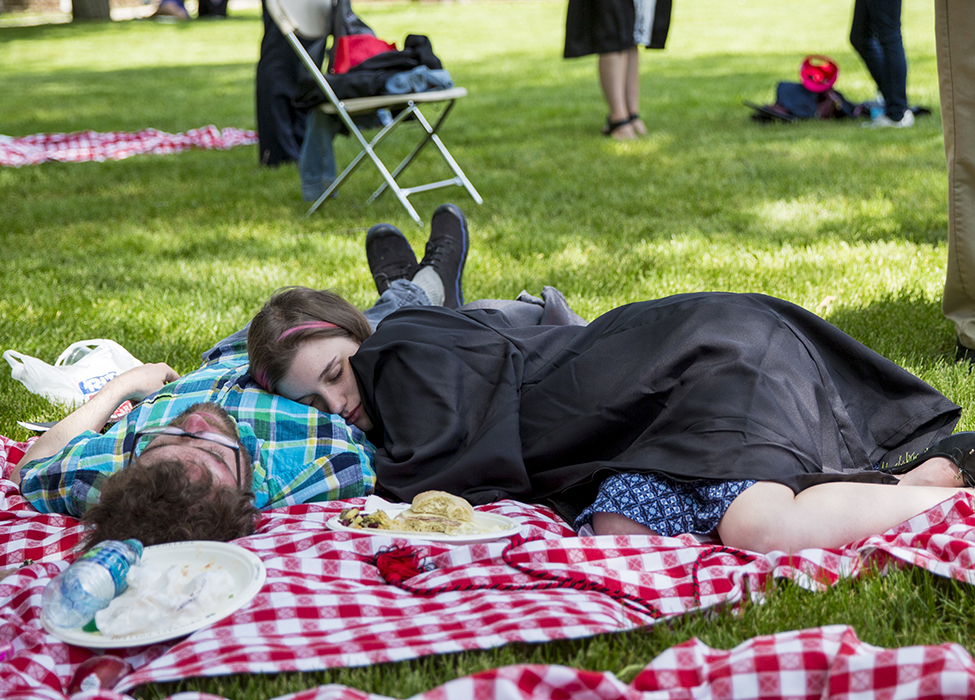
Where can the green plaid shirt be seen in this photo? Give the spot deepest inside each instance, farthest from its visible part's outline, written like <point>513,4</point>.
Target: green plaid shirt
<point>299,454</point>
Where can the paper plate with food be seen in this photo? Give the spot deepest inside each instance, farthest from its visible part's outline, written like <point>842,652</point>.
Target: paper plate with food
<point>176,589</point>
<point>434,516</point>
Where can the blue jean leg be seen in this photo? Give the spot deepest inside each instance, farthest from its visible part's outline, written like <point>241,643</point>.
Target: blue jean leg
<point>316,165</point>
<point>401,293</point>
<point>876,36</point>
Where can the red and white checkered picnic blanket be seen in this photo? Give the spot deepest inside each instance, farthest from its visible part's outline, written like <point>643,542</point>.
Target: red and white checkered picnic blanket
<point>326,604</point>
<point>825,663</point>
<point>83,146</point>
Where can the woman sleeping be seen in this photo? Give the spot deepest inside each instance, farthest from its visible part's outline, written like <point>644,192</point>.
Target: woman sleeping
<point>736,415</point>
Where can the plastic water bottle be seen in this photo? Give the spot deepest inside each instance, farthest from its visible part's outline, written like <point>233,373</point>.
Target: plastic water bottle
<point>77,593</point>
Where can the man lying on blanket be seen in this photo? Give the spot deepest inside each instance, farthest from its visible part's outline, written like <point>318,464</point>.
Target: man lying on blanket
<point>200,455</point>
<point>195,460</point>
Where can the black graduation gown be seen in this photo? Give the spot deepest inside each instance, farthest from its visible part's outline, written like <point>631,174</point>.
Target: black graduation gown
<point>607,26</point>
<point>723,386</point>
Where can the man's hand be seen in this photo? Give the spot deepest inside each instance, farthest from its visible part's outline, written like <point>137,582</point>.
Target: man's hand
<point>133,385</point>
<point>138,382</point>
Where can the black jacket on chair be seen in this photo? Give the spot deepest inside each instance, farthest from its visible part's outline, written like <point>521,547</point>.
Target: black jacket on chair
<point>369,77</point>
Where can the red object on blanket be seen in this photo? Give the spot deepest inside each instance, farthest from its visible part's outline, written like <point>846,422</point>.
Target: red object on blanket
<point>353,49</point>
<point>398,564</point>
<point>98,673</point>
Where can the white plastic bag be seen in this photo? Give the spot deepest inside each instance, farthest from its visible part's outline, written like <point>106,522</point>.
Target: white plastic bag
<point>78,373</point>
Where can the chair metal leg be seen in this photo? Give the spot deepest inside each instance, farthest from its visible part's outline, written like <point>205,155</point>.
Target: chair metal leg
<point>419,147</point>
<point>457,171</point>
<point>355,161</point>
<point>431,136</point>
<point>368,148</point>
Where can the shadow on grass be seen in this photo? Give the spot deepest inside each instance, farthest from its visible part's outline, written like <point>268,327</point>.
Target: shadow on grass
<point>165,98</point>
<point>532,148</point>
<point>930,337</point>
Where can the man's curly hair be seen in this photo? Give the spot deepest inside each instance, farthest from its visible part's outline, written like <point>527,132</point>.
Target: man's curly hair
<point>161,503</point>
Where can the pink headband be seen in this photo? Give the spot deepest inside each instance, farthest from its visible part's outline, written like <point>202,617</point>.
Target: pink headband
<point>305,326</point>
<point>260,376</point>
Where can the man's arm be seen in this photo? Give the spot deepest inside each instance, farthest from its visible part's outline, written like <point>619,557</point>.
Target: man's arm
<point>133,385</point>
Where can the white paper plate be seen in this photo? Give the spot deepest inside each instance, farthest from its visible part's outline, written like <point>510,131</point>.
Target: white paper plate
<point>507,527</point>
<point>243,566</point>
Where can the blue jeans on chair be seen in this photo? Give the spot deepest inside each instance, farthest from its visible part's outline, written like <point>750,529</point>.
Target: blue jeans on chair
<point>876,36</point>
<point>316,164</point>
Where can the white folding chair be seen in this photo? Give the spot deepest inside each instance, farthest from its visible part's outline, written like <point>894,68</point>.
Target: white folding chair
<point>309,18</point>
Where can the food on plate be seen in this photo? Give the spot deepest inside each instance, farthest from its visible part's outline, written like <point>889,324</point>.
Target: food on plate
<point>443,503</point>
<point>353,517</point>
<point>431,511</point>
<point>419,522</point>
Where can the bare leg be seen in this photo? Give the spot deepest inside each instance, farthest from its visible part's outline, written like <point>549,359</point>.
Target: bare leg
<point>612,76</point>
<point>769,516</point>
<point>616,524</point>
<point>633,88</point>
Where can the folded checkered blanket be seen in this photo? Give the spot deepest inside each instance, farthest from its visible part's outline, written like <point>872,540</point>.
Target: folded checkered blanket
<point>114,145</point>
<point>326,602</point>
<point>825,663</point>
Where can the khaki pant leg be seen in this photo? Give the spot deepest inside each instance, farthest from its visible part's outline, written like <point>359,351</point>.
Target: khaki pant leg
<point>955,37</point>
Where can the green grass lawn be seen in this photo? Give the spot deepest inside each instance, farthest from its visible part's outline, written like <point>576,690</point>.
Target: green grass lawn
<point>164,254</point>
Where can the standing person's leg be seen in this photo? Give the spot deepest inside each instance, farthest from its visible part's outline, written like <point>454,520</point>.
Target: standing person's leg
<point>280,127</point>
<point>865,43</point>
<point>212,8</point>
<point>612,79</point>
<point>885,22</point>
<point>632,89</point>
<point>955,41</point>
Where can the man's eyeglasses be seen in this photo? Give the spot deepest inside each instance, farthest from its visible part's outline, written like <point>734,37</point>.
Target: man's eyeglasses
<point>147,435</point>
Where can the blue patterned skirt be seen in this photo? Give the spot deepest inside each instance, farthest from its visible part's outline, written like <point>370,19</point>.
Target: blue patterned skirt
<point>666,506</point>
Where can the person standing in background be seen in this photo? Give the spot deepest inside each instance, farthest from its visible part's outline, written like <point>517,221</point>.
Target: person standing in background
<point>615,29</point>
<point>280,125</point>
<point>876,36</point>
<point>954,22</point>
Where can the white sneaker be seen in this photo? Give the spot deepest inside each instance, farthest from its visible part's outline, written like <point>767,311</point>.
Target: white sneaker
<point>884,122</point>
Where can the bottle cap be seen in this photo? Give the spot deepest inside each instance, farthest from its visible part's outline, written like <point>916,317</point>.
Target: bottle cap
<point>136,545</point>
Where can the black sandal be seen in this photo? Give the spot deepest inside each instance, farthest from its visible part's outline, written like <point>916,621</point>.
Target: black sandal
<point>959,449</point>
<point>612,126</point>
<point>636,118</point>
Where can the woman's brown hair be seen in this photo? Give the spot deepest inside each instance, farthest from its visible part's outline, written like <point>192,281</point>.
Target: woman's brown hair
<point>291,316</point>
